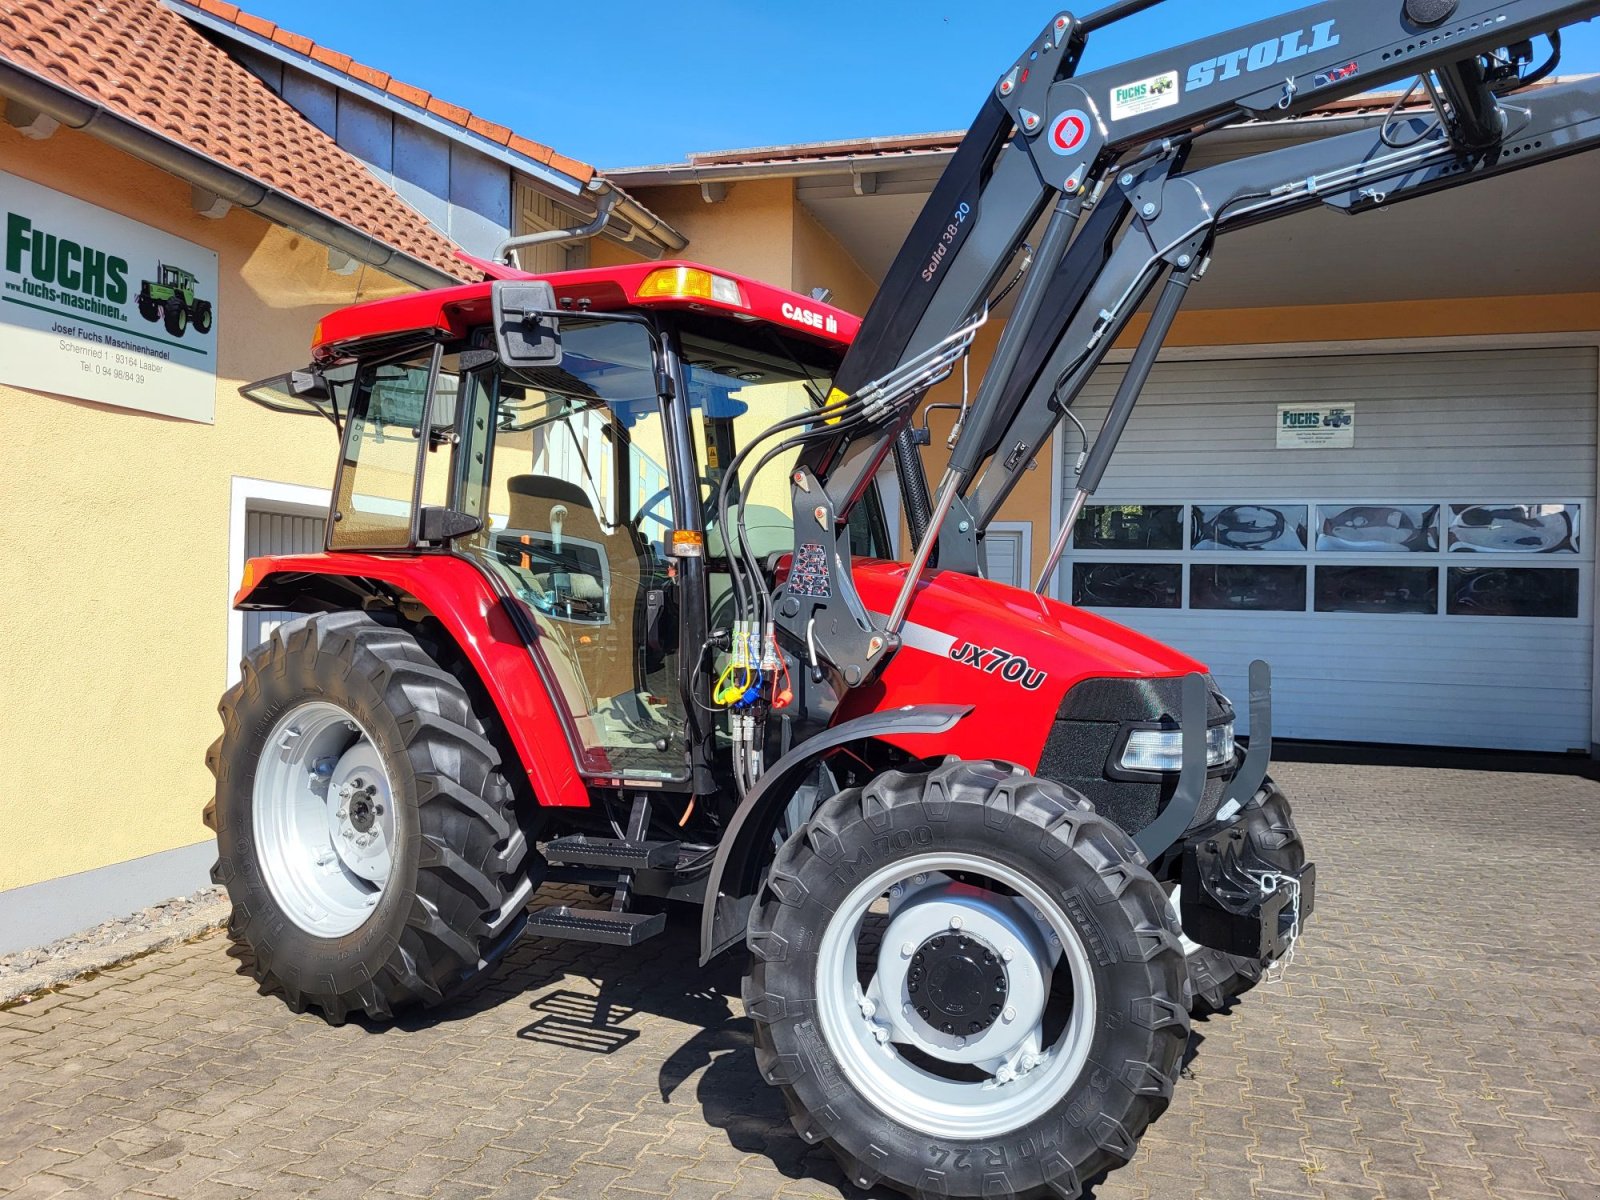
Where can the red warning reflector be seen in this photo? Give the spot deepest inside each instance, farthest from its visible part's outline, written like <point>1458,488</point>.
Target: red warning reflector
<point>1070,131</point>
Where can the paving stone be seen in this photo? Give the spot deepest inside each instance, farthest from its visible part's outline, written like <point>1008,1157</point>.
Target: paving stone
<point>1415,1051</point>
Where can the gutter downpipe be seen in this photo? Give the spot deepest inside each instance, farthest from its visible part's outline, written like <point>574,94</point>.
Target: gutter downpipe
<point>609,200</point>
<point>88,116</point>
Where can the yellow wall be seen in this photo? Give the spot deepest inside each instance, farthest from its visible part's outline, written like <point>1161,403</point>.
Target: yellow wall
<point>759,229</point>
<point>114,580</point>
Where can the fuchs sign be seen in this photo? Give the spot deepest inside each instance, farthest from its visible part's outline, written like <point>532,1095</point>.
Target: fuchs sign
<point>98,307</point>
<point>1316,427</point>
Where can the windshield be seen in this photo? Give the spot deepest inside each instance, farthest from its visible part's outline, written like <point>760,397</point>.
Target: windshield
<point>737,390</point>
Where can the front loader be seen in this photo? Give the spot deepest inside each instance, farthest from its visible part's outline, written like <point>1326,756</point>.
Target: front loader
<point>609,598</point>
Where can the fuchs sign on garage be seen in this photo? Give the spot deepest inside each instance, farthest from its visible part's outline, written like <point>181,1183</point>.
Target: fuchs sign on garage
<point>1316,427</point>
<point>99,307</point>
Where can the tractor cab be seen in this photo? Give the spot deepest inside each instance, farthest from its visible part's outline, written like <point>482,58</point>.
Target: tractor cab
<point>175,278</point>
<point>580,475</point>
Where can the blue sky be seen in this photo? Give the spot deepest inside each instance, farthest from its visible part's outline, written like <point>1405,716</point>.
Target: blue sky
<point>623,84</point>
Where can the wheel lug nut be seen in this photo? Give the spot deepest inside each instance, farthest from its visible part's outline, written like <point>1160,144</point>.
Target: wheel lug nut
<point>922,1011</point>
<point>919,879</point>
<point>974,1027</point>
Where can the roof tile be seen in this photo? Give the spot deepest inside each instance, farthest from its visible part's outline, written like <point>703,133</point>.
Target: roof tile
<point>488,129</point>
<point>408,93</point>
<point>582,172</point>
<point>453,113</point>
<point>370,75</point>
<point>146,63</point>
<point>527,149</point>
<point>254,24</point>
<point>332,58</point>
<point>299,43</point>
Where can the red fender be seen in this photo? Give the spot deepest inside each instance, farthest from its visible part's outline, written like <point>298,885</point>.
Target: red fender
<point>455,592</point>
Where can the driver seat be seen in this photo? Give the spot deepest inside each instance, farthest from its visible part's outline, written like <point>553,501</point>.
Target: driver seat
<point>608,653</point>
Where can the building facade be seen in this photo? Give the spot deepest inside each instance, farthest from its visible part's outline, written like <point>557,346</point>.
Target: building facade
<point>184,191</point>
<point>1368,454</point>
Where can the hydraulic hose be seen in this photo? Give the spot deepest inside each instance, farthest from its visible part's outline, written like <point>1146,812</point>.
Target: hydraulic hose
<point>913,485</point>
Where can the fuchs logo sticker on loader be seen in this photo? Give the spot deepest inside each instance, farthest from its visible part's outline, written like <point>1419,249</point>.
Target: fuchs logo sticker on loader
<point>1144,96</point>
<point>1070,131</point>
<point>1284,48</point>
<point>1013,668</point>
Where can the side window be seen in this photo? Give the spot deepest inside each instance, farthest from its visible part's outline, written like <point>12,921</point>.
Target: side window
<point>383,453</point>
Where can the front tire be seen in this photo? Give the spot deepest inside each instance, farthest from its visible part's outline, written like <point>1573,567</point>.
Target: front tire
<point>966,984</point>
<point>175,317</point>
<point>365,833</point>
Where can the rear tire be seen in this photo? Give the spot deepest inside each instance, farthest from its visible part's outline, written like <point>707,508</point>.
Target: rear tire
<point>449,893</point>
<point>1272,843</point>
<point>941,1123</point>
<point>202,316</point>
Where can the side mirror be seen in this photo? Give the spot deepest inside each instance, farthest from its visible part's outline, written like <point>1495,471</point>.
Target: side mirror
<point>526,324</point>
<point>308,384</point>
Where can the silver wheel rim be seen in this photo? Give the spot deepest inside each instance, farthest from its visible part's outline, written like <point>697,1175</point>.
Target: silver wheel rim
<point>323,813</point>
<point>983,1085</point>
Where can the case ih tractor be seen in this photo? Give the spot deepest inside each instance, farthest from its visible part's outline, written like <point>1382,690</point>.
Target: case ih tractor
<point>608,598</point>
<point>170,300</point>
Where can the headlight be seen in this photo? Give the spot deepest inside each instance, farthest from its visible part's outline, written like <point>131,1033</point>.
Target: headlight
<point>1162,749</point>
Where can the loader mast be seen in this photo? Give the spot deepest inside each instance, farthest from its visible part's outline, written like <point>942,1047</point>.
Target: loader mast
<point>1100,159</point>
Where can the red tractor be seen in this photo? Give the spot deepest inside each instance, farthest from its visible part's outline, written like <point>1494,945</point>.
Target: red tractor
<point>609,598</point>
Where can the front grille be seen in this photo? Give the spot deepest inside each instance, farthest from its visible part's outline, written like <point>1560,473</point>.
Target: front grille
<point>1088,732</point>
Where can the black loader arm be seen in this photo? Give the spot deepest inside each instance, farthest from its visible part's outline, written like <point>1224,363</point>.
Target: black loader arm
<point>1099,158</point>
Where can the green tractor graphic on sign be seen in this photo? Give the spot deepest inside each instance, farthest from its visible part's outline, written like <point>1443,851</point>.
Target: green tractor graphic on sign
<point>170,300</point>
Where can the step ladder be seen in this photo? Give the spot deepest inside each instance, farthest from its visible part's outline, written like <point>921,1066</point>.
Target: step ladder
<point>614,926</point>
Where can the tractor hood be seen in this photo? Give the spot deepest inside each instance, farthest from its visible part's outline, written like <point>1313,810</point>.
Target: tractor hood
<point>1011,654</point>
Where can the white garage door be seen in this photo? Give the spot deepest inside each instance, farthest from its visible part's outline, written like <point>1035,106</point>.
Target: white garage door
<point>1433,584</point>
<point>278,531</point>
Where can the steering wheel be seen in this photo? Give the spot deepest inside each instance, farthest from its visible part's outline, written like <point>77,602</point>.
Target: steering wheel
<point>647,509</point>
<point>1242,527</point>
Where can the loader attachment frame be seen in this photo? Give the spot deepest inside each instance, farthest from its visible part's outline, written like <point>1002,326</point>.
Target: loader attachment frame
<point>1101,158</point>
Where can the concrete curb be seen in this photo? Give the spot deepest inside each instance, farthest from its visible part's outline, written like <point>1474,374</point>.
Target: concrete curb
<point>31,973</point>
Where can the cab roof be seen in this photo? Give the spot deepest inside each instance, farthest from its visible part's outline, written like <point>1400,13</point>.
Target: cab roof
<point>455,310</point>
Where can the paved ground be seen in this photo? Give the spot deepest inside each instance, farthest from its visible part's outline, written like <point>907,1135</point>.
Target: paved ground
<point>1436,1039</point>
